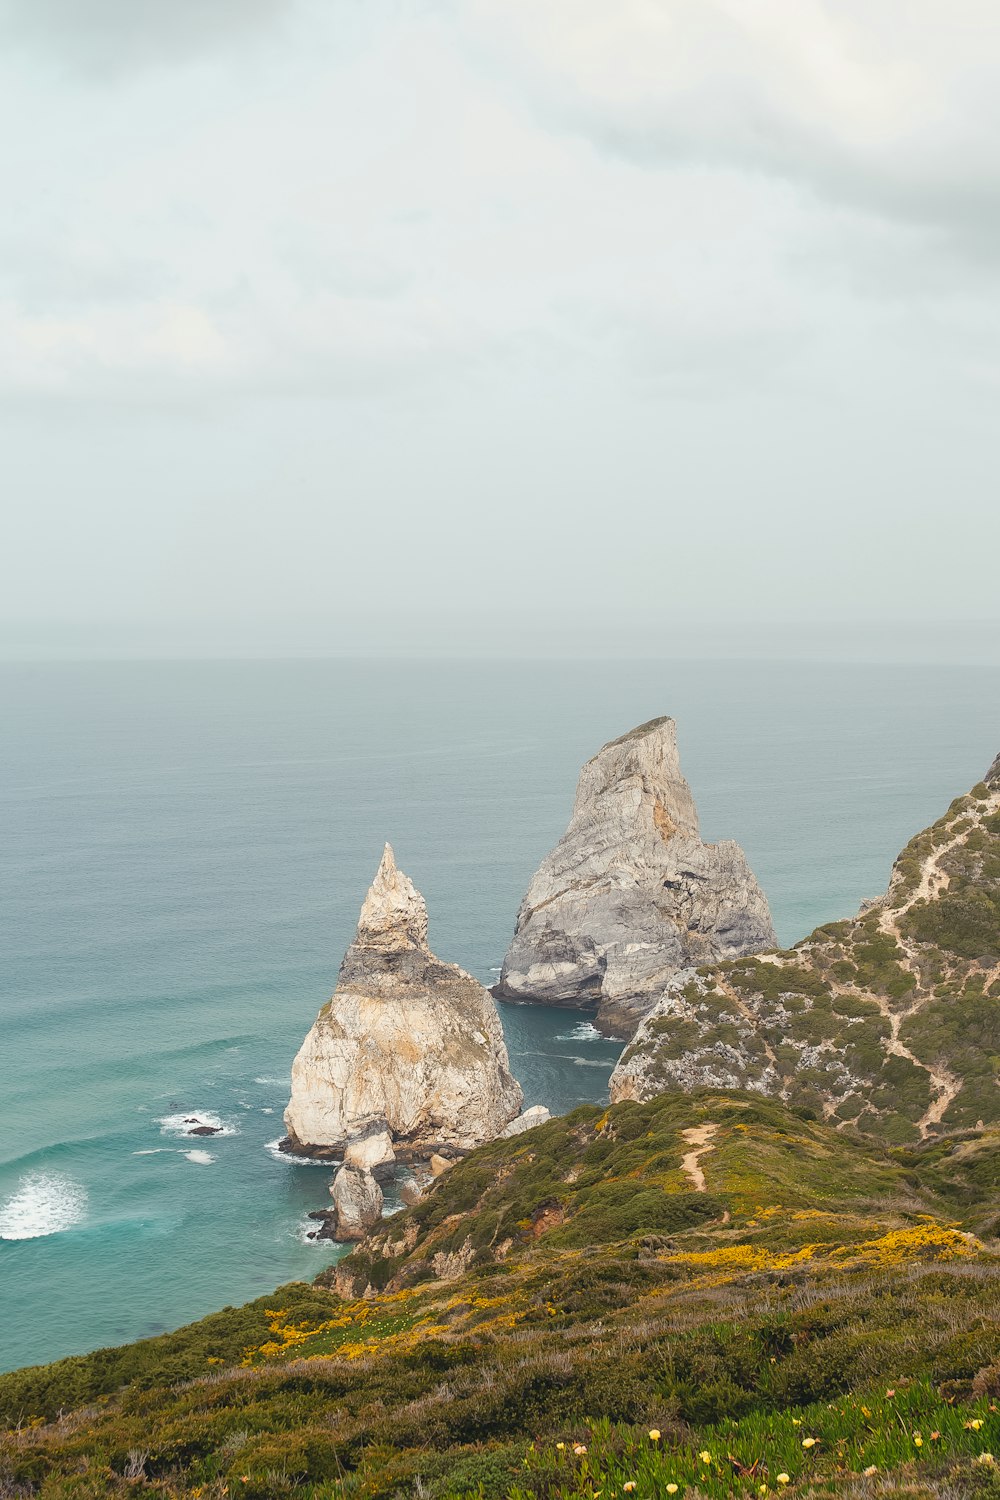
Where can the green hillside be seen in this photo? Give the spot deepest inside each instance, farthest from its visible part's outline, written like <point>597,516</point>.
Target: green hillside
<point>770,1295</point>
<point>889,1022</point>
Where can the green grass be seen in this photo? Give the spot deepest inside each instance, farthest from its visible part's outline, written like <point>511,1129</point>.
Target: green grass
<point>820,1272</point>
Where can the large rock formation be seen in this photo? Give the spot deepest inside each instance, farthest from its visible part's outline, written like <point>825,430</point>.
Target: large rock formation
<point>357,1200</point>
<point>630,894</point>
<point>406,1042</point>
<point>888,1022</point>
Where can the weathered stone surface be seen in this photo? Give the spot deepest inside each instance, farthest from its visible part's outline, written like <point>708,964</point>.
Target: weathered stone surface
<point>406,1039</point>
<point>358,1200</point>
<point>630,894</point>
<point>371,1149</point>
<point>439,1164</point>
<point>886,1021</point>
<point>536,1115</point>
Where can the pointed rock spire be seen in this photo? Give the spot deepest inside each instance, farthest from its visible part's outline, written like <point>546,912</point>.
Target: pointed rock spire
<point>394,914</point>
<point>409,1050</point>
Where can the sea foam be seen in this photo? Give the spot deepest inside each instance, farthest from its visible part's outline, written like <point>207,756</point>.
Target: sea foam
<point>45,1203</point>
<point>585,1032</point>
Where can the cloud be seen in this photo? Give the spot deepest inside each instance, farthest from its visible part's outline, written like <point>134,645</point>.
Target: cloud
<point>107,37</point>
<point>893,109</point>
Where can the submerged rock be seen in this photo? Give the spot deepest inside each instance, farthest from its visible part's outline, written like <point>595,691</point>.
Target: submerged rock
<point>406,1040</point>
<point>630,895</point>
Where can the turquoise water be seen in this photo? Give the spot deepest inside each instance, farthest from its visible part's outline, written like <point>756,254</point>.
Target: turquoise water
<point>185,848</point>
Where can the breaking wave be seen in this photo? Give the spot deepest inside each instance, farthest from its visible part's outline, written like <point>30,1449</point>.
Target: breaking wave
<point>45,1203</point>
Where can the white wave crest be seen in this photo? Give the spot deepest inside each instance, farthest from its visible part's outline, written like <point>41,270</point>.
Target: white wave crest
<point>203,1158</point>
<point>585,1032</point>
<point>45,1203</point>
<point>278,1083</point>
<point>188,1122</point>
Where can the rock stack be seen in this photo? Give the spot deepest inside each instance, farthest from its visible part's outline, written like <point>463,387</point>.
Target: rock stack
<point>631,895</point>
<point>405,1060</point>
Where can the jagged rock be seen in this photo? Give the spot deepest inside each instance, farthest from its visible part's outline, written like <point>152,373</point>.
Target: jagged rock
<point>358,1200</point>
<point>630,894</point>
<point>439,1164</point>
<point>886,1022</point>
<point>536,1115</point>
<point>410,1192</point>
<point>449,1265</point>
<point>371,1150</point>
<point>406,1039</point>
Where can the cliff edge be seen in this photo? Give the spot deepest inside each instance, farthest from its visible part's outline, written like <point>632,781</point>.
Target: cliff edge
<point>888,1022</point>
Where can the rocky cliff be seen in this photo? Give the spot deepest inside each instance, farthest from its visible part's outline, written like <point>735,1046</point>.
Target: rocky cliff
<point>406,1040</point>
<point>889,1022</point>
<point>631,894</point>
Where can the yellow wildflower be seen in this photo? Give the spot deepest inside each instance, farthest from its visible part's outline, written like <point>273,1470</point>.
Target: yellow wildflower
<point>796,1422</point>
<point>809,1442</point>
<point>985,1458</point>
<point>973,1425</point>
<point>705,1456</point>
<point>560,1446</point>
<point>671,1489</point>
<point>782,1478</point>
<point>654,1433</point>
<point>918,1441</point>
<point>628,1486</point>
<point>871,1469</point>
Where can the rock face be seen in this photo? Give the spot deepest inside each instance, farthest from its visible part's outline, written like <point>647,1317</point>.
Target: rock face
<point>407,1043</point>
<point>630,894</point>
<point>888,1022</point>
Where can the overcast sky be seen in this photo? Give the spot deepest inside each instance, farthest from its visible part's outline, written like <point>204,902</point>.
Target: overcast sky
<point>503,324</point>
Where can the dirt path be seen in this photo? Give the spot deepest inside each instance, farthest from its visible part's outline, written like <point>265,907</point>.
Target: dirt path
<point>700,1137</point>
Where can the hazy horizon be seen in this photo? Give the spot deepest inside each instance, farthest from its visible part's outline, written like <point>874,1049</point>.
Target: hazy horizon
<point>956,643</point>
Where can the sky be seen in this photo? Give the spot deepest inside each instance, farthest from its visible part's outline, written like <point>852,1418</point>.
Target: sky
<point>504,326</point>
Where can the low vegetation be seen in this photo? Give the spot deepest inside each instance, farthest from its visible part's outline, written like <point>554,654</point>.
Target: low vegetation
<point>889,1022</point>
<point>567,1314</point>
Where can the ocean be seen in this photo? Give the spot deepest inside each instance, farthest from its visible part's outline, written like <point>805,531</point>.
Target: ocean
<point>185,848</point>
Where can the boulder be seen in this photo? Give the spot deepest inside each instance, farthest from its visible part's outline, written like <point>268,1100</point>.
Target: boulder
<point>630,895</point>
<point>358,1200</point>
<point>371,1150</point>
<point>536,1115</point>
<point>406,1040</point>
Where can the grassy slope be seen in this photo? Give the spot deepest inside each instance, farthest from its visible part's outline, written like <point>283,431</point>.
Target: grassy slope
<point>570,1287</point>
<point>890,1021</point>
